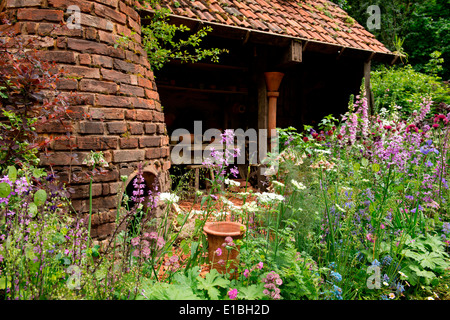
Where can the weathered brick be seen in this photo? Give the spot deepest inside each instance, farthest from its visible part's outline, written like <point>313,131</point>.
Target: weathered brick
<point>79,98</point>
<point>40,15</point>
<point>67,84</point>
<point>63,143</point>
<point>62,158</point>
<point>144,115</point>
<point>134,25</point>
<point>108,113</point>
<point>98,86</point>
<point>82,191</point>
<point>84,58</point>
<point>102,61</point>
<point>146,83</point>
<point>128,11</point>
<point>90,127</point>
<point>128,155</point>
<point>153,153</point>
<point>81,71</point>
<point>142,103</point>
<point>90,33</point>
<point>57,30</point>
<point>129,143</point>
<point>145,142</point>
<point>115,76</point>
<point>108,37</point>
<point>23,3</point>
<point>97,143</point>
<point>85,6</point>
<point>117,127</point>
<point>131,90</point>
<point>54,127</point>
<point>150,128</point>
<point>96,22</point>
<point>161,127</point>
<point>111,3</point>
<point>136,128</point>
<point>58,56</point>
<point>112,101</point>
<point>158,116</point>
<point>87,46</point>
<point>140,115</point>
<point>107,12</point>
<point>125,66</point>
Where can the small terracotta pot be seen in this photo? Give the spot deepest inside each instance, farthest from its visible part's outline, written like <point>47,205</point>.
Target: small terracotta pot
<point>216,233</point>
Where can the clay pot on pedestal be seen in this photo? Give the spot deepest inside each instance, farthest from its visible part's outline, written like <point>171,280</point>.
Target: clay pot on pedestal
<point>216,232</point>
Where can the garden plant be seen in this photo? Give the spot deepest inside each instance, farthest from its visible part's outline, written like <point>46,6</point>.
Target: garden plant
<point>356,210</point>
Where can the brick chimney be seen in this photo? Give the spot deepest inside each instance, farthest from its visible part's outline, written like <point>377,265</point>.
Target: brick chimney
<point>117,108</point>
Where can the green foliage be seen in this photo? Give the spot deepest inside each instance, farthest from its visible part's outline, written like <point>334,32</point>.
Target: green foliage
<point>403,86</point>
<point>163,41</point>
<point>425,259</point>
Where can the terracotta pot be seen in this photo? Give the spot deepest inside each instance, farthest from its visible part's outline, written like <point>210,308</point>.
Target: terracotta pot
<point>216,233</point>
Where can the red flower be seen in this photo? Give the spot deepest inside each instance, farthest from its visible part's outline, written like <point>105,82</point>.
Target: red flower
<point>305,139</point>
<point>339,136</point>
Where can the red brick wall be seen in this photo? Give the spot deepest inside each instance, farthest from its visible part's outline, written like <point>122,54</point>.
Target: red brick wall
<point>115,88</point>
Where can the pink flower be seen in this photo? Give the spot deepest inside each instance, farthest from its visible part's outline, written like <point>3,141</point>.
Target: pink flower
<point>232,293</point>
<point>260,265</point>
<point>135,241</point>
<point>218,252</point>
<point>246,273</point>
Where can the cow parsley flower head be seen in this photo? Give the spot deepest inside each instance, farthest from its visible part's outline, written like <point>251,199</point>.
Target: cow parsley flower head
<point>168,197</point>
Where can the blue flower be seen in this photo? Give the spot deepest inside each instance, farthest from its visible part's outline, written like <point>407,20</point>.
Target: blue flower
<point>336,276</point>
<point>337,292</point>
<point>375,263</point>
<point>400,288</point>
<point>387,260</point>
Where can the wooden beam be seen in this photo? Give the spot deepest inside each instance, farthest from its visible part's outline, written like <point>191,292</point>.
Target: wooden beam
<point>246,37</point>
<point>340,53</point>
<point>292,55</point>
<point>367,86</point>
<point>305,45</point>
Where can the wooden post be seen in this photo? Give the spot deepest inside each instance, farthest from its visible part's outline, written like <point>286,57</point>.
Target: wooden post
<point>367,67</point>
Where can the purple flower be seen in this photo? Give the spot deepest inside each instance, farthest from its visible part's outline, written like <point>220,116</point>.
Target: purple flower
<point>232,293</point>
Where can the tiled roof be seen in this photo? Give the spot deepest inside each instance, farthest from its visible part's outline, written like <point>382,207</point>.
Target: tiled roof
<point>309,20</point>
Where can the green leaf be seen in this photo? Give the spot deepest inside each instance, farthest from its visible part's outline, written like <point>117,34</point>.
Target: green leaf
<point>364,162</point>
<point>194,246</point>
<point>32,209</point>
<point>5,189</point>
<point>356,166</point>
<point>375,167</point>
<point>40,197</point>
<point>252,292</point>
<point>212,280</point>
<point>12,173</point>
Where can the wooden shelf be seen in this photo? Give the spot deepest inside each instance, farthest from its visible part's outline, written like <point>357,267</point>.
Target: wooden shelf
<point>163,86</point>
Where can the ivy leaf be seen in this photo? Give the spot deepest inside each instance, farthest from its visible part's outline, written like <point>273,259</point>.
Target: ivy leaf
<point>212,280</point>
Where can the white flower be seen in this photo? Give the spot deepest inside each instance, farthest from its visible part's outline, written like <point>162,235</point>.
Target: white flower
<point>268,197</point>
<point>298,185</point>
<point>232,182</point>
<point>168,197</point>
<point>278,183</point>
<point>250,206</point>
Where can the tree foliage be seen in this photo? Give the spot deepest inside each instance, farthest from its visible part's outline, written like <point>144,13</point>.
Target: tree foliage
<point>420,26</point>
<point>165,41</point>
